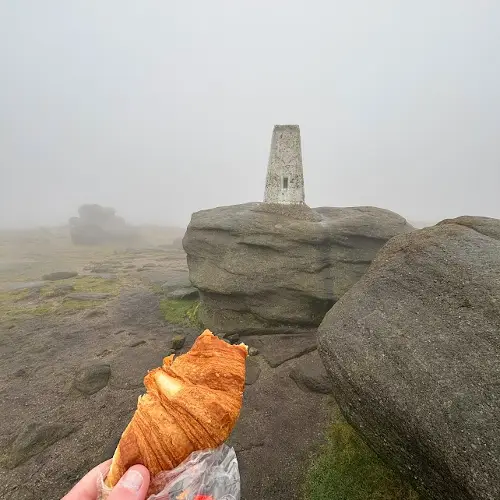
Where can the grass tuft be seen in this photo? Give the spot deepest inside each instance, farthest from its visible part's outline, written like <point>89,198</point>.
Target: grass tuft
<point>181,312</point>
<point>97,284</point>
<point>157,289</point>
<point>347,469</point>
<point>78,305</point>
<point>14,296</point>
<point>21,304</point>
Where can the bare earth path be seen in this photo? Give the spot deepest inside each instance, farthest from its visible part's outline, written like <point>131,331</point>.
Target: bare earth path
<point>51,432</point>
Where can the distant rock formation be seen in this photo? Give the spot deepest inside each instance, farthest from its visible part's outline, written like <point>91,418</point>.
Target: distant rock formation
<point>264,268</point>
<point>413,351</point>
<point>177,243</point>
<point>97,225</point>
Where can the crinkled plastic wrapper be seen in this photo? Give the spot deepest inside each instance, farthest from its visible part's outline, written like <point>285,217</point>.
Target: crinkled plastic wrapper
<point>204,475</point>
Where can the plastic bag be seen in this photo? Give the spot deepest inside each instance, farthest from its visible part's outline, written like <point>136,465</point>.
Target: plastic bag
<point>204,475</point>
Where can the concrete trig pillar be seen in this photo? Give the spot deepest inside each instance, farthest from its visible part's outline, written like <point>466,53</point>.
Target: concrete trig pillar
<point>285,176</point>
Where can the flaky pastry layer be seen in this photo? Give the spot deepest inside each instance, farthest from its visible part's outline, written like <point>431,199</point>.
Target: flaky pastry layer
<point>191,403</point>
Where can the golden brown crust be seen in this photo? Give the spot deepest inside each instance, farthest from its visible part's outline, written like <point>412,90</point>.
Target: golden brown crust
<point>192,403</point>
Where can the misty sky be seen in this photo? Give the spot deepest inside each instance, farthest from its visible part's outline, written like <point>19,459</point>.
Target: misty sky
<point>161,108</point>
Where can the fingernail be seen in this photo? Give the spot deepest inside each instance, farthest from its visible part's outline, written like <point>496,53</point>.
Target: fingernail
<point>132,480</point>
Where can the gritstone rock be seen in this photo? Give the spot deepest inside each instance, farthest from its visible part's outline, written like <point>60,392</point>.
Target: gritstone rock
<point>413,351</point>
<point>264,268</point>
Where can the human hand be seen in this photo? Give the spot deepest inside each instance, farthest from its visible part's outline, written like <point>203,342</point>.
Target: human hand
<point>132,486</point>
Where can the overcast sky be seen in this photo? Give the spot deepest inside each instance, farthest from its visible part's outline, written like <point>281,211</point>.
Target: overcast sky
<point>161,108</point>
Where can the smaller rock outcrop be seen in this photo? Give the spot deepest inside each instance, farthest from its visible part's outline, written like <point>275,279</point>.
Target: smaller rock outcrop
<point>252,371</point>
<point>310,375</point>
<point>178,341</point>
<point>59,275</point>
<point>92,378</point>
<point>30,285</point>
<point>33,439</point>
<point>97,225</point>
<point>175,280</point>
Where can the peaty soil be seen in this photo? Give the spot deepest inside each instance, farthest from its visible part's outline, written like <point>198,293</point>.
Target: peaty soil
<point>52,433</point>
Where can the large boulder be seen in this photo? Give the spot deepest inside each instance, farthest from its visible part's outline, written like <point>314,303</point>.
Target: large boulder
<point>413,351</point>
<point>264,268</point>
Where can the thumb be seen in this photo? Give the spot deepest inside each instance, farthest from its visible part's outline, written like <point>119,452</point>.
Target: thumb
<point>133,485</point>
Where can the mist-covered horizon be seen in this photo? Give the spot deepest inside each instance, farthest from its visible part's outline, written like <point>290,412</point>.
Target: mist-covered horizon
<point>160,109</point>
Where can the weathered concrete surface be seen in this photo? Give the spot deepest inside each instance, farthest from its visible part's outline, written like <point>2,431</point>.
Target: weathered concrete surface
<point>285,176</point>
<point>413,350</point>
<point>264,268</point>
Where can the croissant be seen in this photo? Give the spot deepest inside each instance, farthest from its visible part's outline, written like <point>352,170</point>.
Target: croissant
<point>192,403</point>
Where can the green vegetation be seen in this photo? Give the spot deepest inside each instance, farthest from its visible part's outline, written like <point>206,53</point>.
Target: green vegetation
<point>14,296</point>
<point>347,469</point>
<point>94,284</point>
<point>14,305</point>
<point>97,284</point>
<point>70,305</point>
<point>52,298</point>
<point>181,312</point>
<point>157,289</point>
<point>192,314</point>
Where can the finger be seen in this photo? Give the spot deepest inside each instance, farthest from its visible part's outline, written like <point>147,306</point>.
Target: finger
<point>133,485</point>
<point>87,487</point>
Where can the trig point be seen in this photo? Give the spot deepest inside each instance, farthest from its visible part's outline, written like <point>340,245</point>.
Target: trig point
<point>285,178</point>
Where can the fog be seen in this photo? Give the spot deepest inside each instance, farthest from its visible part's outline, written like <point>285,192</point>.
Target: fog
<point>161,108</point>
